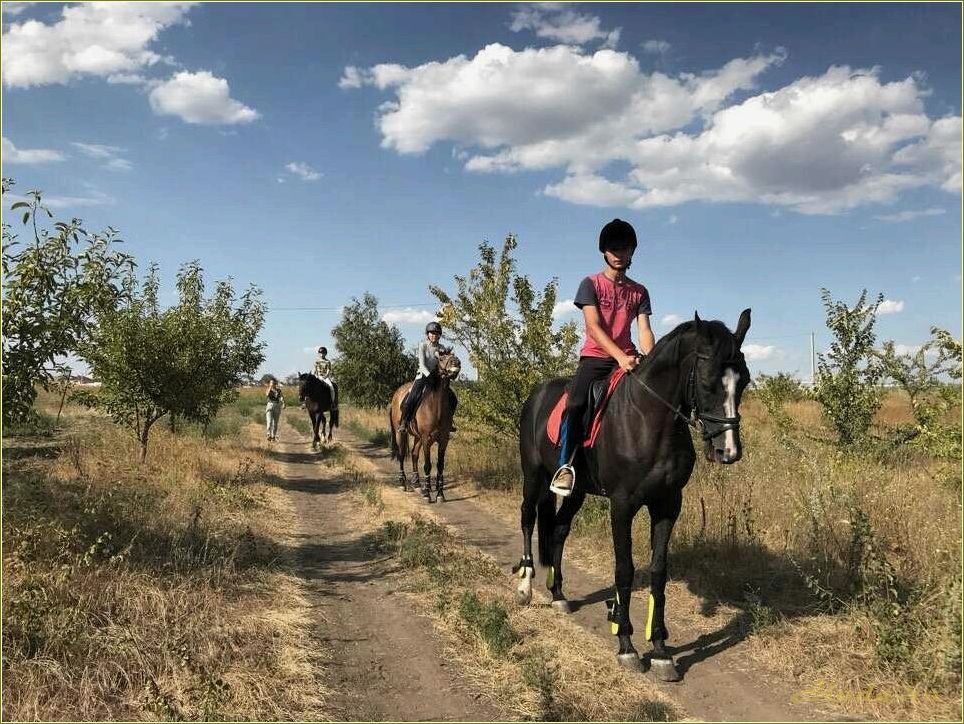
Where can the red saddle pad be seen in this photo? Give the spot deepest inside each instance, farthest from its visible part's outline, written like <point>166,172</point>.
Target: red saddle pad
<point>555,417</point>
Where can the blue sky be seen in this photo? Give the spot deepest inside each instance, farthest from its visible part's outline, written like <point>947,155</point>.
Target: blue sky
<point>320,151</point>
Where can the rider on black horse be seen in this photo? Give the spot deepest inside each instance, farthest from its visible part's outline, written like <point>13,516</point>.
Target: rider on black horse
<point>610,301</point>
<point>427,354</point>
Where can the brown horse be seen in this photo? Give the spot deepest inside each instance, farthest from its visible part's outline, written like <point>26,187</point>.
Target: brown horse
<point>431,423</point>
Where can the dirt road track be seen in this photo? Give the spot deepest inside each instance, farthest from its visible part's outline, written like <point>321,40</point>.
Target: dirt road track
<point>386,662</point>
<point>720,681</point>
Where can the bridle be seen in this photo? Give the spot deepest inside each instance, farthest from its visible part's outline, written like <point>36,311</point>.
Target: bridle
<point>697,418</point>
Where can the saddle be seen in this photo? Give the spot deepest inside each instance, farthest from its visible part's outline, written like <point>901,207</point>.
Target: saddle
<point>599,395</point>
<point>406,401</point>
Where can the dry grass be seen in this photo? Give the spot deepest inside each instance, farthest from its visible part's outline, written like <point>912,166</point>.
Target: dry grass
<point>769,544</point>
<point>152,592</point>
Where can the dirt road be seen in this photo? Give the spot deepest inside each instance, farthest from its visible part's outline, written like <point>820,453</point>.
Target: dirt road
<point>720,681</point>
<point>386,662</point>
<point>397,671</point>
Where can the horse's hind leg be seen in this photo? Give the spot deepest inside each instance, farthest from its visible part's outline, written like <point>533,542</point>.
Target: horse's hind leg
<point>662,518</point>
<point>416,449</point>
<point>401,437</point>
<point>427,469</point>
<point>564,516</point>
<point>315,440</point>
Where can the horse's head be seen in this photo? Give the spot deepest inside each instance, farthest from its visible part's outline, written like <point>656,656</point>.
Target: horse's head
<point>303,378</point>
<point>449,365</point>
<point>715,387</point>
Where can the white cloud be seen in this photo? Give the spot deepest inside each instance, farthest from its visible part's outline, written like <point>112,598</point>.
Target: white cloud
<point>199,98</point>
<point>655,47</point>
<point>118,164</point>
<point>757,352</point>
<point>95,198</point>
<point>109,154</point>
<point>673,218</point>
<point>556,21</point>
<point>890,306</point>
<point>352,77</point>
<point>303,171</point>
<point>15,8</point>
<point>96,150</point>
<point>408,315</point>
<point>12,154</point>
<point>915,278</point>
<point>902,216</point>
<point>821,144</point>
<point>564,308</point>
<point>670,320</point>
<point>907,349</point>
<point>94,38</point>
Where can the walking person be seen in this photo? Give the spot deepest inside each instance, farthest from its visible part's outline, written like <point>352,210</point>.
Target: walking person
<point>274,404</point>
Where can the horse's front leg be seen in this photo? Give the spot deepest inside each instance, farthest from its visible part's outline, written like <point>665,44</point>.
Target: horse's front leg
<point>621,514</point>
<point>427,468</point>
<point>564,516</point>
<point>324,425</point>
<point>315,419</point>
<point>416,449</point>
<point>662,518</point>
<point>440,471</point>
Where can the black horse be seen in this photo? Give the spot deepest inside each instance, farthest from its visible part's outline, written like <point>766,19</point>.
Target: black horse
<point>317,399</point>
<point>644,455</point>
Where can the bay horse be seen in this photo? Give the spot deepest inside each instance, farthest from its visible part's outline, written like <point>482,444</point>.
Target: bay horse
<point>316,396</point>
<point>644,455</point>
<point>431,423</point>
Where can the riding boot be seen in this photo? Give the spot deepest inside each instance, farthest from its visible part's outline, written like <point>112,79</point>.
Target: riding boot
<point>565,477</point>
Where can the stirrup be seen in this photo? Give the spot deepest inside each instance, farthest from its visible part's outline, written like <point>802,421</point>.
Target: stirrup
<point>563,492</point>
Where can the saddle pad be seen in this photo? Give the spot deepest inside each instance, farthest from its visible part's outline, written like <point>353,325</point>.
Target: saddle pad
<point>559,411</point>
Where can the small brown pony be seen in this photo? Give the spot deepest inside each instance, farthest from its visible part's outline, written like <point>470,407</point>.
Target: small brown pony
<point>431,423</point>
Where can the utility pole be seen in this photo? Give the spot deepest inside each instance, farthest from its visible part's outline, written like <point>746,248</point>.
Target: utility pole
<point>813,362</point>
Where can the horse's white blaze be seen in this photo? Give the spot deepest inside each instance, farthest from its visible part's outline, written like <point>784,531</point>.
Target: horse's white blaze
<point>730,379</point>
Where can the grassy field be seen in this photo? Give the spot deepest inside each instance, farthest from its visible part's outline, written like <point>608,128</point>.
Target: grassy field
<point>843,571</point>
<point>157,591</point>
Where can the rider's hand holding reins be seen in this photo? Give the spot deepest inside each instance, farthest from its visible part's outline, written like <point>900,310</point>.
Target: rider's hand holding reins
<point>628,362</point>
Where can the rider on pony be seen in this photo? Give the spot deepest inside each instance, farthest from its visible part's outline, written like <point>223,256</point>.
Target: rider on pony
<point>609,301</point>
<point>427,354</point>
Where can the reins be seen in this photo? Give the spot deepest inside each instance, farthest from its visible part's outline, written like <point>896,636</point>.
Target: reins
<point>697,419</point>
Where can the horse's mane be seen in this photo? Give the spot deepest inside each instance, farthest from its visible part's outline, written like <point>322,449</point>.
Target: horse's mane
<point>668,343</point>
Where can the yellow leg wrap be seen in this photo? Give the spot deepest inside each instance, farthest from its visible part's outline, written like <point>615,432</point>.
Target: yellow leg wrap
<point>614,629</point>
<point>649,617</point>
<point>551,577</point>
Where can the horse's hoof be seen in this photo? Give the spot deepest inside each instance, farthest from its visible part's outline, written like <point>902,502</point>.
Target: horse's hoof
<point>561,606</point>
<point>523,597</point>
<point>664,669</point>
<point>630,661</point>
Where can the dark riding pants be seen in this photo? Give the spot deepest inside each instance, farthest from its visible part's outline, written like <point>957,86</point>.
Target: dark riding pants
<point>415,396</point>
<point>572,434</point>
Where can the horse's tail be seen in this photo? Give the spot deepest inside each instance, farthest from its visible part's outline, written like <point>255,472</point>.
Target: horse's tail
<point>546,522</point>
<point>391,426</point>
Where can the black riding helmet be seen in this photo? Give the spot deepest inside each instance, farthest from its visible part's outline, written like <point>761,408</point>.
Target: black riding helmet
<point>617,234</point>
<point>322,350</point>
<point>433,327</point>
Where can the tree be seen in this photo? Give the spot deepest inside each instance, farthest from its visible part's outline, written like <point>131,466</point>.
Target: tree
<point>508,330</point>
<point>54,286</point>
<point>372,361</point>
<point>185,361</point>
<point>923,376</point>
<point>848,376</point>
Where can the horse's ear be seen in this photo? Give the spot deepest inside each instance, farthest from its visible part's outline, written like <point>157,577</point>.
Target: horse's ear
<point>742,326</point>
<point>697,322</point>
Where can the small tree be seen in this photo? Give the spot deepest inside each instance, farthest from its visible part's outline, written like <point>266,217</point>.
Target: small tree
<point>372,361</point>
<point>923,376</point>
<point>53,287</point>
<point>848,376</point>
<point>185,361</point>
<point>508,330</point>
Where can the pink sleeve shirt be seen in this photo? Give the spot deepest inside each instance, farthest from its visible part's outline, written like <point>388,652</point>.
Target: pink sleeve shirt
<point>618,306</point>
